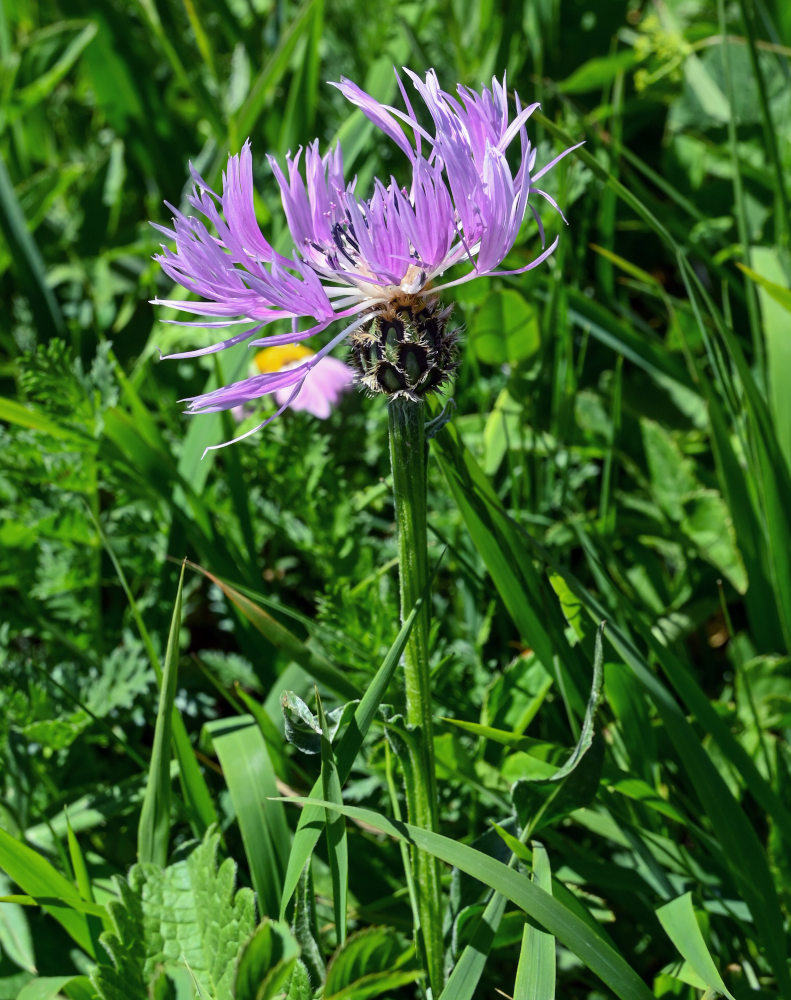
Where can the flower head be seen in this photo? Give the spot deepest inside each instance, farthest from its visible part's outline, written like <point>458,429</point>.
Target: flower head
<point>375,263</point>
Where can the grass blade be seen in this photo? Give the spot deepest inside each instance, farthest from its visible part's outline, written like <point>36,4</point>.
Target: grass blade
<point>768,467</point>
<point>678,919</point>
<point>535,975</point>
<point>153,832</point>
<point>738,192</point>
<point>30,265</point>
<point>78,864</point>
<point>566,926</point>
<point>37,877</point>
<point>271,74</point>
<point>83,882</point>
<point>741,849</point>
<point>463,980</point>
<point>43,86</point>
<point>531,604</point>
<point>250,778</point>
<point>197,800</point>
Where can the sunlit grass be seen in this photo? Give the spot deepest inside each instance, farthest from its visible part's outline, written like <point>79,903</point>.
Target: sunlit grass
<point>619,452</point>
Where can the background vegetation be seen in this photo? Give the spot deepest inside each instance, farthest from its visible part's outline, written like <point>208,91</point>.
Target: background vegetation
<point>620,450</point>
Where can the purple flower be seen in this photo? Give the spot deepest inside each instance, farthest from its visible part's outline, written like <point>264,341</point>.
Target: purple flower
<point>355,259</point>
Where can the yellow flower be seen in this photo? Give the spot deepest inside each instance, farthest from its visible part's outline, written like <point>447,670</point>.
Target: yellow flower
<point>275,359</point>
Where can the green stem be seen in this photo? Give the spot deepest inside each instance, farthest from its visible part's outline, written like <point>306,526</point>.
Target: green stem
<point>408,460</point>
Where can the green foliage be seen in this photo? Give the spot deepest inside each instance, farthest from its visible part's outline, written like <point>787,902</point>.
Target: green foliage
<point>371,963</point>
<point>168,921</point>
<point>267,963</point>
<point>536,974</point>
<point>250,777</point>
<point>504,329</point>
<point>619,451</point>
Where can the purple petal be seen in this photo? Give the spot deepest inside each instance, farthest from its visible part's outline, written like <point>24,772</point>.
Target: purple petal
<point>382,115</point>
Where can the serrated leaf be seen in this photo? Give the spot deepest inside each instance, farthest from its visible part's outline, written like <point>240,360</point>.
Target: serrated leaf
<point>299,987</point>
<point>183,917</point>
<point>266,963</point>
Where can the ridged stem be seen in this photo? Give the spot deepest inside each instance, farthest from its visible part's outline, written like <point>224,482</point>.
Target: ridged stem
<point>408,460</point>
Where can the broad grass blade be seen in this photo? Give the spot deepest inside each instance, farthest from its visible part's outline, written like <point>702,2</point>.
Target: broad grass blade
<point>774,299</point>
<point>250,777</point>
<point>50,987</point>
<point>535,974</point>
<point>678,919</point>
<point>37,877</point>
<point>28,416</point>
